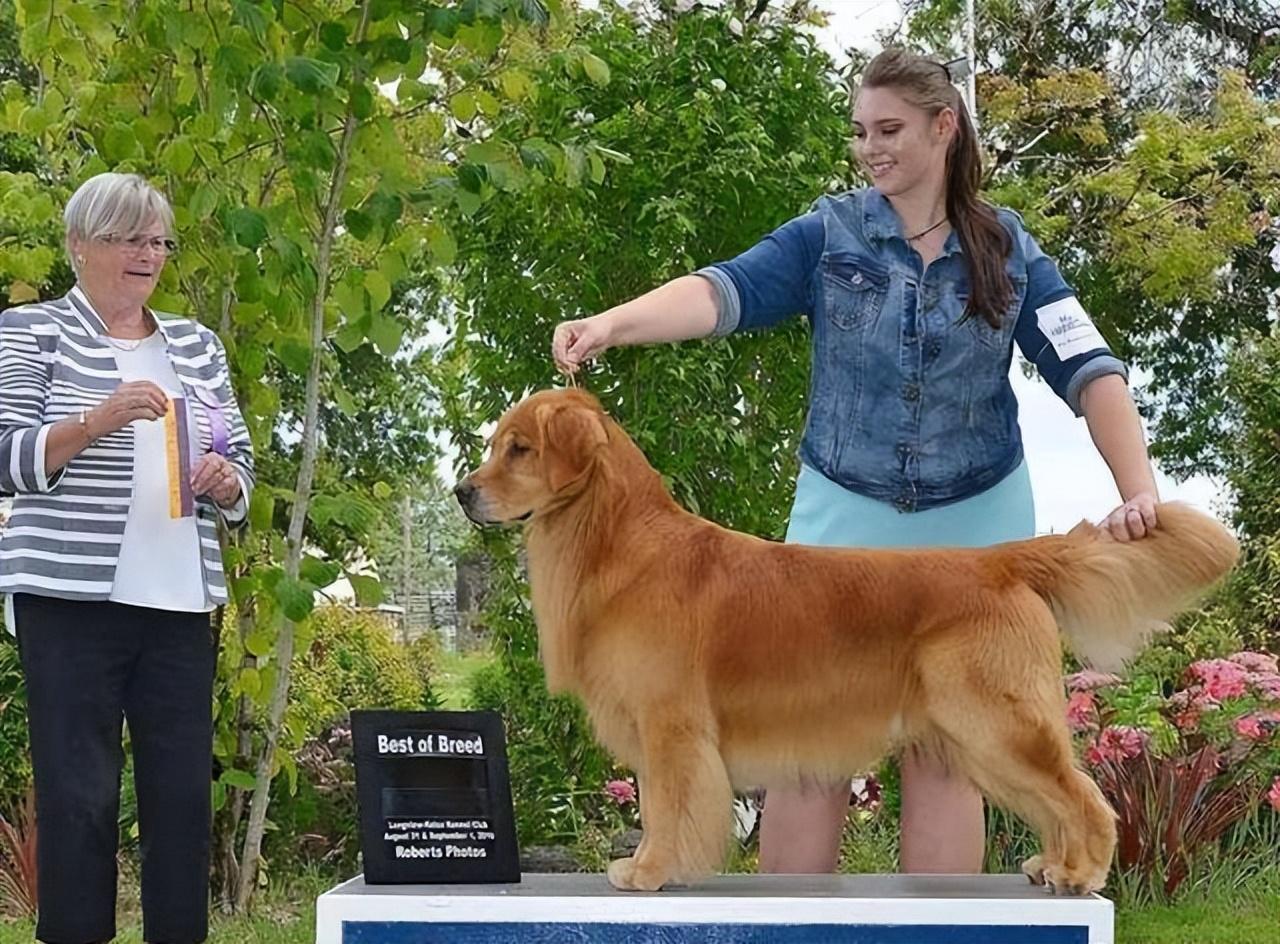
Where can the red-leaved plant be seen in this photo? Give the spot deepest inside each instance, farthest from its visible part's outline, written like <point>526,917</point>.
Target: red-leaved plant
<point>18,894</point>
<point>1180,771</point>
<point>1169,810</point>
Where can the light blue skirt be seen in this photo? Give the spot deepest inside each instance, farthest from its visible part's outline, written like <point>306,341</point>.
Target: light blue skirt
<point>827,514</point>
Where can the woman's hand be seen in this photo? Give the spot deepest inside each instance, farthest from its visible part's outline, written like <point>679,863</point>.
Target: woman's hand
<point>136,400</point>
<point>214,476</point>
<point>1135,519</point>
<point>576,342</point>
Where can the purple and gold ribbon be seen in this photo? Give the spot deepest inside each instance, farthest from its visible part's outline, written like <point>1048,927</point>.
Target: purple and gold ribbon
<point>178,455</point>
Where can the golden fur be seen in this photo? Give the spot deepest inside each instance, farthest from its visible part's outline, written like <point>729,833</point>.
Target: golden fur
<point>709,659</point>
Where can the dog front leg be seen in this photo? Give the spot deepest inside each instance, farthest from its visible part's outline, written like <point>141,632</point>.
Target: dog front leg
<point>685,810</point>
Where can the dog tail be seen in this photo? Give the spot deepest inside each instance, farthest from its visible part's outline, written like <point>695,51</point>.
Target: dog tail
<point>1110,597</point>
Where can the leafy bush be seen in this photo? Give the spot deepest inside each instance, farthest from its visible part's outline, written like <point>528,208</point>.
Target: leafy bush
<point>15,758</point>
<point>18,891</point>
<point>352,660</point>
<point>319,822</point>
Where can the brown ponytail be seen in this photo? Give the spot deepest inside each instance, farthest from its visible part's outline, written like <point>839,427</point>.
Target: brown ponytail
<point>926,84</point>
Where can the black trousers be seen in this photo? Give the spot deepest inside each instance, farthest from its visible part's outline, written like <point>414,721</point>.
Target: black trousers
<point>88,665</point>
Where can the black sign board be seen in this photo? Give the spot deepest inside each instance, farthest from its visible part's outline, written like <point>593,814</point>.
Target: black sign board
<point>435,798</point>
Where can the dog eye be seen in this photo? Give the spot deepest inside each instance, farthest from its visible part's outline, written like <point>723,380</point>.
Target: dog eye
<point>516,449</point>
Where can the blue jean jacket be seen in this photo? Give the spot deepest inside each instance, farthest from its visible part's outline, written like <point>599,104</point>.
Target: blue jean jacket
<point>909,402</point>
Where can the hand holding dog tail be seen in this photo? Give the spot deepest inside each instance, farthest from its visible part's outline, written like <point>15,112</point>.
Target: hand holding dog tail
<point>1110,598</point>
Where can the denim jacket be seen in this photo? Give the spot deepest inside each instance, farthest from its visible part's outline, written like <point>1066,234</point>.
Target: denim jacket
<point>909,401</point>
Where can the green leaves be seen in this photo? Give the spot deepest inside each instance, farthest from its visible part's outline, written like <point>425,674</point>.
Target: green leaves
<point>367,589</point>
<point>119,143</point>
<point>261,509</point>
<point>319,572</point>
<point>266,81</point>
<point>361,102</point>
<point>296,598</point>
<point>240,779</point>
<point>252,17</point>
<point>375,283</point>
<point>385,333</point>
<point>247,227</point>
<point>333,36</point>
<point>295,354</point>
<point>441,243</point>
<point>596,68</point>
<point>178,156</point>
<point>463,106</point>
<point>311,76</point>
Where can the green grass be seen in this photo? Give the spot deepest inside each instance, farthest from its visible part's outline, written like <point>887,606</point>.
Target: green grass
<point>281,916</point>
<point>1248,918</point>
<point>453,677</point>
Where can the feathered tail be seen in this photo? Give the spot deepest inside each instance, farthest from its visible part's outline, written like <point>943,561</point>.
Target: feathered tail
<point>1110,597</point>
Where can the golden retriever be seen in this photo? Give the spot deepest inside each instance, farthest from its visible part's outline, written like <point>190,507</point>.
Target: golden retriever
<point>709,659</point>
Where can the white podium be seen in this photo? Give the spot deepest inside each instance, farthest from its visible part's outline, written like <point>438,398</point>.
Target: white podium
<point>732,909</point>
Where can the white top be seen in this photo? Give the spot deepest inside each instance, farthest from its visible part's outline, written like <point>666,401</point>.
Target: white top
<point>159,563</point>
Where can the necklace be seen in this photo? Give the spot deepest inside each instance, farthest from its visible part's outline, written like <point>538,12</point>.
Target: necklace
<point>131,344</point>
<point>124,344</point>
<point>925,232</point>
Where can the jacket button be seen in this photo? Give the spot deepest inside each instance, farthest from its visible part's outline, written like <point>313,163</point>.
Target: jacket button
<point>911,392</point>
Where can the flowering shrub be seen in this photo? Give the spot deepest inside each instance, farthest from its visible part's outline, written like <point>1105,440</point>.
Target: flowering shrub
<point>1180,768</point>
<point>621,792</point>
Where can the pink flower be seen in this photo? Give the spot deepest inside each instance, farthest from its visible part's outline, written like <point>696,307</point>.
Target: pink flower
<point>1202,700</point>
<point>1116,744</point>
<point>1088,680</point>
<point>1256,662</point>
<point>1257,725</point>
<point>1250,727</point>
<point>1186,713</point>
<point>621,792</point>
<point>1186,720</point>
<point>1080,711</point>
<point>1267,685</point>
<point>1273,795</point>
<point>1221,678</point>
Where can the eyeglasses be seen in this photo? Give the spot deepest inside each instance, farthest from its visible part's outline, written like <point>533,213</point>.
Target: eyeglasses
<point>136,245</point>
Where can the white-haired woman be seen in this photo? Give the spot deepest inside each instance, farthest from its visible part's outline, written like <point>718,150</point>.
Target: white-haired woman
<point>121,440</point>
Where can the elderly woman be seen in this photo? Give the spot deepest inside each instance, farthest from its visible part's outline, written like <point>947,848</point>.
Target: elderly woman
<point>123,444</point>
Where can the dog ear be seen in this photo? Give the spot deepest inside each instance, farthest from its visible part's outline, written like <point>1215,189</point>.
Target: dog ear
<point>570,437</point>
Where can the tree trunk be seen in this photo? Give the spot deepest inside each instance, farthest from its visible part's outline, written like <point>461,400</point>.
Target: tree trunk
<point>406,564</point>
<point>252,851</point>
<point>226,862</point>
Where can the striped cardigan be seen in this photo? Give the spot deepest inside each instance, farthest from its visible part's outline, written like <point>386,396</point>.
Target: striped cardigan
<point>64,531</point>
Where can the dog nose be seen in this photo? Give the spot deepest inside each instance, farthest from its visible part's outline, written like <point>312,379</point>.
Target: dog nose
<point>463,491</point>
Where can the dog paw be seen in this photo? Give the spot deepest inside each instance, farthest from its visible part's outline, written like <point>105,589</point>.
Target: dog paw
<point>1063,881</point>
<point>1033,868</point>
<point>629,875</point>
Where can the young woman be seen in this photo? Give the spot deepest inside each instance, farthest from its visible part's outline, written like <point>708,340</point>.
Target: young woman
<point>915,290</point>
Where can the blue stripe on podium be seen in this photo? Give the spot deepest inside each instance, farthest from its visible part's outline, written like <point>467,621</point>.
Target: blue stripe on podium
<point>463,932</point>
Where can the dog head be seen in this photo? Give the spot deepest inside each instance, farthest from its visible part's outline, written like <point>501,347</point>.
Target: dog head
<point>542,451</point>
